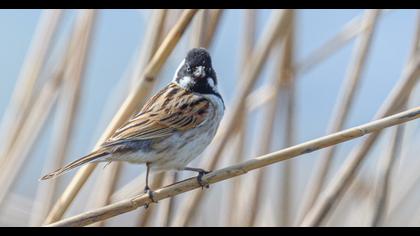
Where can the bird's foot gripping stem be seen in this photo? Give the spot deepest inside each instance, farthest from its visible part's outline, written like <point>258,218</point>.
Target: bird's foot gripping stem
<point>150,194</point>
<point>200,181</point>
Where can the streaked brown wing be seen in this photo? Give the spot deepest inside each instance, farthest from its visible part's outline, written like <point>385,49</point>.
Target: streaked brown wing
<point>172,109</point>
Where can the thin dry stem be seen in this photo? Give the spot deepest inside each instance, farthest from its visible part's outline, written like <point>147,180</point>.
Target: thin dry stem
<point>248,44</point>
<point>135,98</point>
<point>239,169</point>
<point>73,67</point>
<point>283,72</point>
<point>342,107</point>
<point>353,28</point>
<point>275,29</point>
<point>107,181</point>
<point>23,94</point>
<point>344,176</point>
<point>214,21</point>
<point>383,183</point>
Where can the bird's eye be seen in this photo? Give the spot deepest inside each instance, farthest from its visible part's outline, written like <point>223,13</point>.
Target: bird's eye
<point>188,69</point>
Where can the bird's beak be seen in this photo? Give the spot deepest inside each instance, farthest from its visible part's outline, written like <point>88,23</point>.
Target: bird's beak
<point>199,72</point>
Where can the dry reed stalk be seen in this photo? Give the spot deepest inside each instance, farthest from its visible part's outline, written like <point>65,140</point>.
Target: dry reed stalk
<point>339,40</point>
<point>415,49</point>
<point>275,29</point>
<point>289,90</point>
<point>214,20</point>
<point>133,187</point>
<point>134,100</point>
<point>239,169</point>
<point>260,96</point>
<point>28,134</point>
<point>167,210</point>
<point>281,74</point>
<point>198,29</point>
<point>144,218</point>
<point>249,27</point>
<point>72,67</point>
<point>108,178</point>
<point>342,107</point>
<point>353,28</point>
<point>383,183</point>
<point>201,36</point>
<point>23,94</point>
<point>265,138</point>
<point>344,176</point>
<point>288,167</point>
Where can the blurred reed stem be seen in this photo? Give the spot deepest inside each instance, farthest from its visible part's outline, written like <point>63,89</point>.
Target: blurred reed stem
<point>249,33</point>
<point>288,88</point>
<point>414,52</point>
<point>281,74</point>
<point>339,116</point>
<point>134,100</point>
<point>352,29</point>
<point>72,68</point>
<point>23,95</point>
<point>239,169</point>
<point>339,184</point>
<point>383,180</point>
<point>275,29</point>
<point>108,178</point>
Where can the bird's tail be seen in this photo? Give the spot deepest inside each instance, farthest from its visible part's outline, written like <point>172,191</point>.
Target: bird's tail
<point>89,158</point>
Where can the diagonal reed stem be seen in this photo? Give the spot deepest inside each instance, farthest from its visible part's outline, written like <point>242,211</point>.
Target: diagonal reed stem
<point>343,178</point>
<point>383,183</point>
<point>106,182</point>
<point>23,94</point>
<point>348,92</point>
<point>134,100</point>
<point>71,68</point>
<point>275,29</point>
<point>239,169</point>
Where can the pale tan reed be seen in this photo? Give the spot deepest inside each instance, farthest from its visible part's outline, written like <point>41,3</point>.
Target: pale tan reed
<point>239,169</point>
<point>72,68</point>
<point>275,28</point>
<point>108,179</point>
<point>23,94</point>
<point>133,101</point>
<point>339,116</point>
<point>383,180</point>
<point>249,27</point>
<point>281,74</point>
<point>334,190</point>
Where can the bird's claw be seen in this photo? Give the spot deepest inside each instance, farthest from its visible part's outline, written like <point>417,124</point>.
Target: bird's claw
<point>150,194</point>
<point>200,179</point>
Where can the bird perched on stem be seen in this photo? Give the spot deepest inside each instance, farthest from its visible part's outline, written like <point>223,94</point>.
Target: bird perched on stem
<point>173,127</point>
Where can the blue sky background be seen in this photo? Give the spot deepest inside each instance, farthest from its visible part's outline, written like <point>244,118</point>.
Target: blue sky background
<point>119,32</point>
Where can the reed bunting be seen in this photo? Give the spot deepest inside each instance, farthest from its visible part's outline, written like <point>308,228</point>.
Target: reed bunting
<point>173,127</point>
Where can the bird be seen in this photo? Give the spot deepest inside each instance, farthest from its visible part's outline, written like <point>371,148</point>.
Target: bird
<point>172,128</point>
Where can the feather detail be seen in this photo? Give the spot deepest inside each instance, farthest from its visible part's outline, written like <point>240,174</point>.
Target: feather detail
<point>171,109</point>
<point>91,157</point>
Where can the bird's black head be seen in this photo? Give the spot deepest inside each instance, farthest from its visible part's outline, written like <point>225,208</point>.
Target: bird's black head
<point>196,72</point>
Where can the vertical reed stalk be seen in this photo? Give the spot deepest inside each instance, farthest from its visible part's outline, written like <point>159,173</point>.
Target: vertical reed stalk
<point>72,69</point>
<point>23,94</point>
<point>134,99</point>
<point>383,182</point>
<point>106,182</point>
<point>345,100</point>
<point>275,29</point>
<point>343,178</point>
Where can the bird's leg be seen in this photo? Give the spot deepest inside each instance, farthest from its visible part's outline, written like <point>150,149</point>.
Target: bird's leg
<point>201,172</point>
<point>147,188</point>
